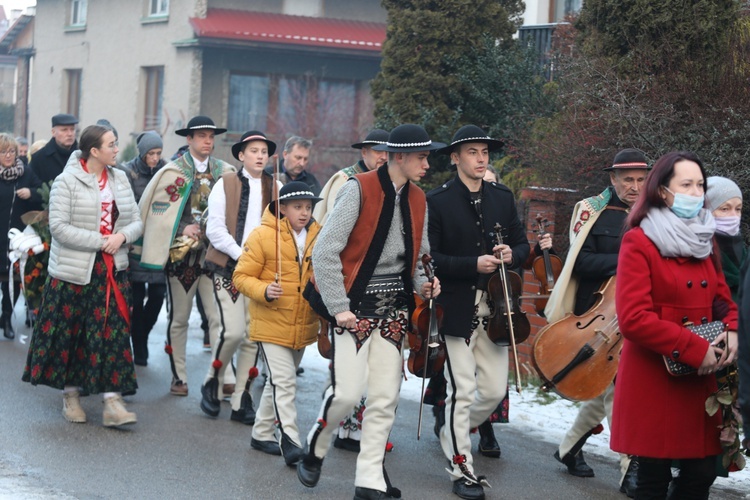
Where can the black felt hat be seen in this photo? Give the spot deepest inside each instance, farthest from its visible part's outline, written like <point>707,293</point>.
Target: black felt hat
<point>252,135</point>
<point>408,138</point>
<point>64,119</point>
<point>200,123</point>
<point>375,137</point>
<point>471,133</point>
<point>628,159</point>
<point>297,190</point>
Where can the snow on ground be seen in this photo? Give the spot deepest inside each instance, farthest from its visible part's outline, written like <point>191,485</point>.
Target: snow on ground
<point>540,416</point>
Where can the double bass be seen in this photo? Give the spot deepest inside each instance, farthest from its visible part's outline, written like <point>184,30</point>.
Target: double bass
<point>508,324</point>
<point>577,356</point>
<point>546,269</point>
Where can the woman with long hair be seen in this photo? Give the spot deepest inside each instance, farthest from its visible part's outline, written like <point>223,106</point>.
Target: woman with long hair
<point>81,341</point>
<point>668,276</point>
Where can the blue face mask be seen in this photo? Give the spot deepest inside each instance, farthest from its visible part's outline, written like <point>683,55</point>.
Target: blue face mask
<point>686,206</point>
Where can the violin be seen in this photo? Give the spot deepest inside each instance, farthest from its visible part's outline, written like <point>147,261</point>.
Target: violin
<point>577,356</point>
<point>324,343</point>
<point>546,269</point>
<point>508,324</point>
<point>427,349</point>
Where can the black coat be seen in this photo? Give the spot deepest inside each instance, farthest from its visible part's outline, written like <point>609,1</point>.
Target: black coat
<point>50,161</point>
<point>597,260</point>
<point>458,237</point>
<point>12,208</point>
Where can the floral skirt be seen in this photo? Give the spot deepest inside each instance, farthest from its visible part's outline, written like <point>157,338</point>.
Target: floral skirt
<point>77,342</point>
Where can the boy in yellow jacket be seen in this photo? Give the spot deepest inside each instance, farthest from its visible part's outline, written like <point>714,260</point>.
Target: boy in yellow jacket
<point>282,322</point>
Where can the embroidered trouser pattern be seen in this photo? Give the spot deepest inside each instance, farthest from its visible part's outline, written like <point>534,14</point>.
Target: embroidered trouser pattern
<point>591,414</point>
<point>278,403</point>
<point>363,362</point>
<point>476,374</point>
<point>230,336</point>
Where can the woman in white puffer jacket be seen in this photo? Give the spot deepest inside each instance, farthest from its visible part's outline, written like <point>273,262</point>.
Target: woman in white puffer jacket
<point>81,341</point>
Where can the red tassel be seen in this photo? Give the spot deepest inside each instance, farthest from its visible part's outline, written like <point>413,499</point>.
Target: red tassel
<point>168,349</point>
<point>217,364</point>
<point>388,447</point>
<point>598,429</point>
<point>322,423</point>
<point>253,373</point>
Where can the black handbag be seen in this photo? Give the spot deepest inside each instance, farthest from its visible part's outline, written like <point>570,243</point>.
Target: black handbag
<point>709,331</point>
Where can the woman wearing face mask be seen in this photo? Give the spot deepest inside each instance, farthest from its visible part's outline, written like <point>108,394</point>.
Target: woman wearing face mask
<point>668,274</point>
<point>724,199</point>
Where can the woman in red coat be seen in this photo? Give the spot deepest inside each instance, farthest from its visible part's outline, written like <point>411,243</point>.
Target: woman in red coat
<point>667,275</point>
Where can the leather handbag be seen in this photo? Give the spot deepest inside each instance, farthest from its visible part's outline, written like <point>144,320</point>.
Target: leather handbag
<point>709,331</point>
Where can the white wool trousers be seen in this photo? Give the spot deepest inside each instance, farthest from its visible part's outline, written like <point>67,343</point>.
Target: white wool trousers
<point>374,369</point>
<point>278,404</point>
<point>591,414</point>
<point>180,307</point>
<point>230,336</point>
<point>476,374</point>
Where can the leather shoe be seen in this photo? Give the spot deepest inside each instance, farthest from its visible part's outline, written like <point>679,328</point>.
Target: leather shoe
<point>439,412</point>
<point>178,388</point>
<point>227,390</point>
<point>488,445</point>
<point>308,469</point>
<point>630,481</point>
<point>576,465</point>
<point>466,489</point>
<point>361,493</point>
<point>8,328</point>
<point>246,413</point>
<point>270,447</point>
<point>291,452</point>
<point>347,444</point>
<point>210,404</point>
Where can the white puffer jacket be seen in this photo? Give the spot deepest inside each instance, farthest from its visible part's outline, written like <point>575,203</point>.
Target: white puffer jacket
<point>74,214</point>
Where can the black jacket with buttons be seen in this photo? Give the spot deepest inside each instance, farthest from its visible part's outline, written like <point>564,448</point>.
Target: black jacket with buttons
<point>597,260</point>
<point>459,236</point>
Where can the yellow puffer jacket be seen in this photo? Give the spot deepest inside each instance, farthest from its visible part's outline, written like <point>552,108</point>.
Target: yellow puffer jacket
<point>287,321</point>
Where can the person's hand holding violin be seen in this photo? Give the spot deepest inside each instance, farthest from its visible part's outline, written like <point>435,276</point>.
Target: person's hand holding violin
<point>504,253</point>
<point>431,291</point>
<point>545,241</point>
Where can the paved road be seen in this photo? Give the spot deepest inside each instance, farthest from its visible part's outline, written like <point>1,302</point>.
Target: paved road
<point>176,452</point>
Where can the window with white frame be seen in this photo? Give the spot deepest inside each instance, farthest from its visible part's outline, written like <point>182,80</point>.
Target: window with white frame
<point>78,12</point>
<point>158,7</point>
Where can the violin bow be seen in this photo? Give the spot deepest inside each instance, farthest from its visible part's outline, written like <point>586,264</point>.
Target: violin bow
<point>433,324</point>
<point>276,176</point>
<point>508,310</point>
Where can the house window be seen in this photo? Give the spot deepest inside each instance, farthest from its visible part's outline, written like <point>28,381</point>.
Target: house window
<point>335,106</point>
<point>158,7</point>
<point>78,12</point>
<point>73,91</point>
<point>564,8</point>
<point>154,97</point>
<point>293,104</point>
<point>248,102</point>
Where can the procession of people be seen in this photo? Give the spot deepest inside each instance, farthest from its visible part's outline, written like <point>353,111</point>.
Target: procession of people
<point>280,263</point>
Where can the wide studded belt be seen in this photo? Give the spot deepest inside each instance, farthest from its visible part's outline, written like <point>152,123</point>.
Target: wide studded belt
<point>384,294</point>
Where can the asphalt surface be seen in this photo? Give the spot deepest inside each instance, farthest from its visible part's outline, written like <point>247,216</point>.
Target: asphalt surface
<point>176,452</point>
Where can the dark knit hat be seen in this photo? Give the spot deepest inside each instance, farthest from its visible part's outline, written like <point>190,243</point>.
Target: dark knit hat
<point>628,159</point>
<point>408,138</point>
<point>103,122</point>
<point>252,135</point>
<point>200,123</point>
<point>471,133</point>
<point>64,119</point>
<point>148,141</point>
<point>375,137</point>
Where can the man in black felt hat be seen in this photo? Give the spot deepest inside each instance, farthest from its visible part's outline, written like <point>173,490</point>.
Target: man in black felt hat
<point>463,213</point>
<point>370,160</point>
<point>365,271</point>
<point>595,236</point>
<point>49,162</point>
<point>234,210</point>
<point>171,207</point>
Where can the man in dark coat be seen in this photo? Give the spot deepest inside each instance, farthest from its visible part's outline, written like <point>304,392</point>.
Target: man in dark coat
<point>743,360</point>
<point>50,161</point>
<point>462,216</point>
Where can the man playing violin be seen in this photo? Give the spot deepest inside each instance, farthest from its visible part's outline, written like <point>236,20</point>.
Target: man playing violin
<point>595,236</point>
<point>463,212</point>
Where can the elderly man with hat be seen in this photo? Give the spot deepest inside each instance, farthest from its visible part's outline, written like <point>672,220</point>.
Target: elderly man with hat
<point>171,208</point>
<point>463,213</point>
<point>49,162</point>
<point>595,236</point>
<point>235,207</point>
<point>365,273</point>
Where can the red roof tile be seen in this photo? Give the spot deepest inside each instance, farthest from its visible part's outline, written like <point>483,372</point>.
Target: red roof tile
<point>292,30</point>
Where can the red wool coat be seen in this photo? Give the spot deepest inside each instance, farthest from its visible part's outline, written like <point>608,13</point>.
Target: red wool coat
<point>655,414</point>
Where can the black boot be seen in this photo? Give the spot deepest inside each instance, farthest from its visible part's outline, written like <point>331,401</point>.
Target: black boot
<point>576,465</point>
<point>308,469</point>
<point>488,445</point>
<point>361,493</point>
<point>439,412</point>
<point>291,452</point>
<point>464,488</point>
<point>8,328</point>
<point>246,413</point>
<point>210,403</point>
<point>630,481</point>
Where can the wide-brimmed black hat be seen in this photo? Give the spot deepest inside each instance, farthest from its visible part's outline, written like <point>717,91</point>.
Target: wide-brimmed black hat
<point>200,123</point>
<point>471,133</point>
<point>375,137</point>
<point>408,138</point>
<point>297,190</point>
<point>628,159</point>
<point>252,135</point>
